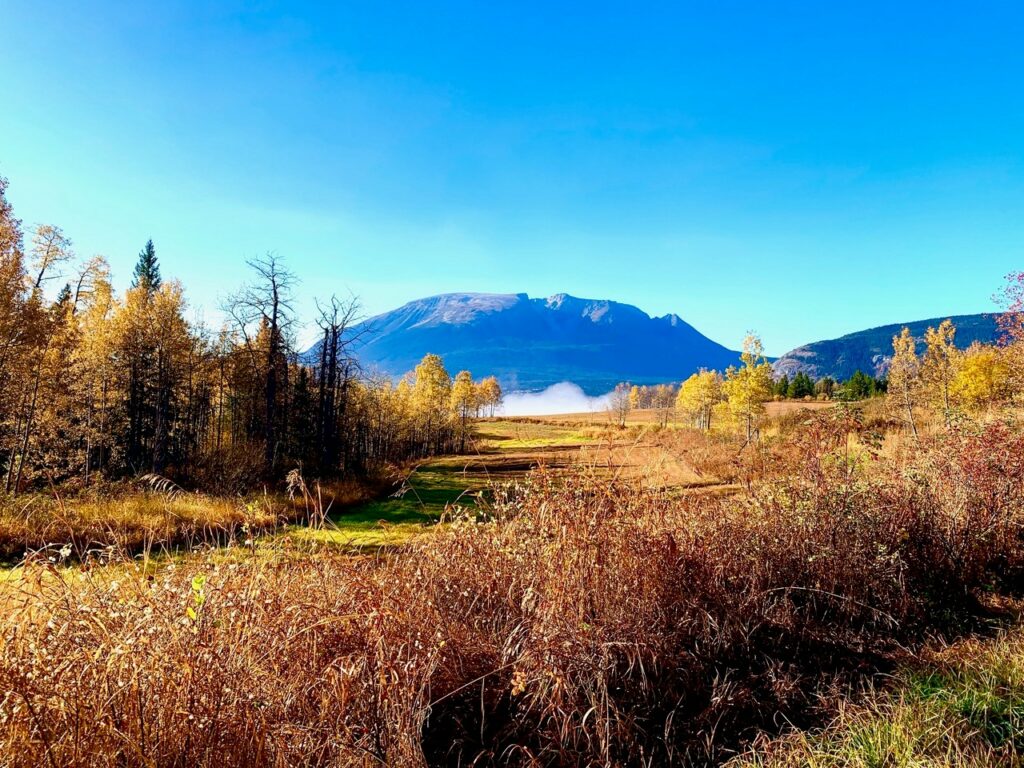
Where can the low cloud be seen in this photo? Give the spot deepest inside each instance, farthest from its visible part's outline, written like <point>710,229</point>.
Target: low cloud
<point>564,397</point>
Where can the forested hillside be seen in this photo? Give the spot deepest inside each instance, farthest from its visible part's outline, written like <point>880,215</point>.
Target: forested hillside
<point>870,351</point>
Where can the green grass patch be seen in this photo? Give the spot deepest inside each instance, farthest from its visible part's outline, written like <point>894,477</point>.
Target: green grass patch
<point>419,502</point>
<point>520,434</point>
<point>966,711</point>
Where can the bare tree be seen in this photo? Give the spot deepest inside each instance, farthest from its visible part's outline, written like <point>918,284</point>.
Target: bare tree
<point>619,405</point>
<point>338,318</point>
<point>264,314</point>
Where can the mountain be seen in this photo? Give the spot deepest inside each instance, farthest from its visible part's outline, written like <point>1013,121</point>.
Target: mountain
<point>870,350</point>
<point>530,344</point>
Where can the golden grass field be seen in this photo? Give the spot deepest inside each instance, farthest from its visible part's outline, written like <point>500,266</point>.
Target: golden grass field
<point>524,598</point>
<point>353,516</point>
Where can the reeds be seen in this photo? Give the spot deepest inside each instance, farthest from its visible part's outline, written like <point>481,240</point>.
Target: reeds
<point>586,622</point>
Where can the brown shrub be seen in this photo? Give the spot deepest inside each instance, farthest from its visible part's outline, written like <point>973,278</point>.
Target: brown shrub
<point>586,623</point>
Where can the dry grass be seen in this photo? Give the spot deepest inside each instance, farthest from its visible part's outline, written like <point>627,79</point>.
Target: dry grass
<point>964,708</point>
<point>130,520</point>
<point>126,522</point>
<point>579,622</point>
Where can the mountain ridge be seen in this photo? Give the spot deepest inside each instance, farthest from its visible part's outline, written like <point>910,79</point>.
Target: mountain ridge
<point>531,343</point>
<point>870,350</point>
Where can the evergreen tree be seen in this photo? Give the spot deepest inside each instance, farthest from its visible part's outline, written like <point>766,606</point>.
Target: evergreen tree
<point>860,386</point>
<point>782,386</point>
<point>801,386</point>
<point>147,270</point>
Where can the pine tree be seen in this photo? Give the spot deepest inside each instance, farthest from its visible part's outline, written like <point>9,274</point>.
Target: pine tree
<point>147,270</point>
<point>801,386</point>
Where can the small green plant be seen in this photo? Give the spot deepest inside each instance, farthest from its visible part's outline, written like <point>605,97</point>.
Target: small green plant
<point>194,611</point>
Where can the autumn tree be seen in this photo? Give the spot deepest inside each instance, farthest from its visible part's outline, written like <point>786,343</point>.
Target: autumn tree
<point>938,367</point>
<point>431,396</point>
<point>905,378</point>
<point>1011,325</point>
<point>42,324</point>
<point>94,306</point>
<point>464,403</point>
<point>982,376</point>
<point>698,397</point>
<point>16,335</point>
<point>97,384</point>
<point>50,249</point>
<point>748,386</point>
<point>172,348</point>
<point>152,349</point>
<point>663,400</point>
<point>489,395</point>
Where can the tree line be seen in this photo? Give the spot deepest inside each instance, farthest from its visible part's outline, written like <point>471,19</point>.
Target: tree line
<point>952,382</point>
<point>860,386</point>
<point>930,374</point>
<point>100,385</point>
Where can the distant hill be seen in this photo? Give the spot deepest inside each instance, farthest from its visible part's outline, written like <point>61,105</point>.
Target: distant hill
<point>870,350</point>
<point>530,344</point>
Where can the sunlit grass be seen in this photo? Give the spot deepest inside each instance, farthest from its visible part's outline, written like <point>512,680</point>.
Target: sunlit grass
<point>535,433</point>
<point>130,521</point>
<point>423,498</point>
<point>964,709</point>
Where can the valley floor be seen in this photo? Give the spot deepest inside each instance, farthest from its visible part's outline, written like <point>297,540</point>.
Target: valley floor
<point>943,705</point>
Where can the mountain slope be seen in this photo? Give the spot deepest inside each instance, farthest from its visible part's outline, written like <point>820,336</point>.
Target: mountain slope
<point>870,350</point>
<point>530,344</point>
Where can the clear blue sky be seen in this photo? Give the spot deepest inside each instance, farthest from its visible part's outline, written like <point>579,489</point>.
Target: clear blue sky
<point>800,169</point>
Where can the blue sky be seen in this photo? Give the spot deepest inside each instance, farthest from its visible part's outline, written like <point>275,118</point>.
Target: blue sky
<point>804,170</point>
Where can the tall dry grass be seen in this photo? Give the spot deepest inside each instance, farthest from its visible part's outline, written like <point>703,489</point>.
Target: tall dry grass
<point>584,622</point>
<point>132,518</point>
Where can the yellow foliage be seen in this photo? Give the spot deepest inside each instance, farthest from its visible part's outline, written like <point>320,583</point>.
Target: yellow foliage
<point>982,376</point>
<point>749,386</point>
<point>698,397</point>
<point>939,364</point>
<point>904,377</point>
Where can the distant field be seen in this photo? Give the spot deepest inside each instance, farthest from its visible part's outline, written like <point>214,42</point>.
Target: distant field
<point>533,432</point>
<point>783,407</point>
<point>648,415</point>
<point>504,449</point>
